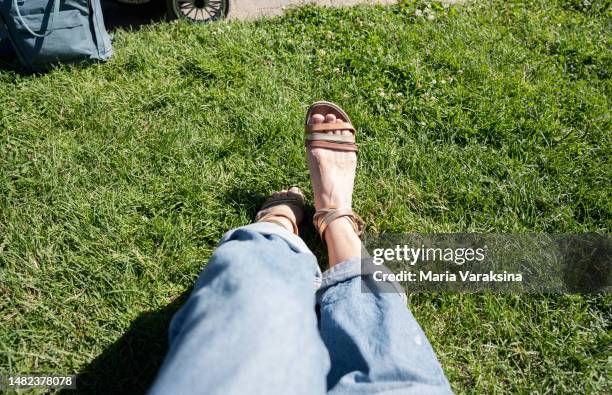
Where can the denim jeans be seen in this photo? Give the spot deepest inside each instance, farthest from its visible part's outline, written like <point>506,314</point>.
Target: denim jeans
<point>263,319</point>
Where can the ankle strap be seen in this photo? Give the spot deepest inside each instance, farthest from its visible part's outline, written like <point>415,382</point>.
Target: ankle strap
<point>268,216</point>
<point>326,216</point>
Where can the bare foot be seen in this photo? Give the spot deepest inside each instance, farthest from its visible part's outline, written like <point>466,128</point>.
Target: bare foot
<point>287,215</point>
<point>332,173</point>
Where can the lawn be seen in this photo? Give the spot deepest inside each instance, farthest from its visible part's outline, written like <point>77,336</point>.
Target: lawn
<point>117,179</point>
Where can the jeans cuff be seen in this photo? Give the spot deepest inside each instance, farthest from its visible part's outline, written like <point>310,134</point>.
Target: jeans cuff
<point>357,267</point>
<point>268,229</point>
<point>271,229</point>
<point>340,272</point>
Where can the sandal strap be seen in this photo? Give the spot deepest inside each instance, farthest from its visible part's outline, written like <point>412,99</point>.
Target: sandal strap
<point>266,214</point>
<point>326,216</point>
<point>326,127</point>
<point>332,145</point>
<point>269,217</point>
<point>277,201</point>
<point>331,137</point>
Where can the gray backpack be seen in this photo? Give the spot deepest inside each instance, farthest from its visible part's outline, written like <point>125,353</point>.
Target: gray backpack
<point>48,32</point>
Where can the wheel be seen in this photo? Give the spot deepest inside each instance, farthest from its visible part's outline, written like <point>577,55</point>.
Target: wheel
<point>200,11</point>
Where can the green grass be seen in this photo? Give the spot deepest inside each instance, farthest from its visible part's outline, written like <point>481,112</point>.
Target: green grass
<point>116,180</point>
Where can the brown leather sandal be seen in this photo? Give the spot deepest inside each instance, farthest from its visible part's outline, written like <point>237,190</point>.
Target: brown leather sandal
<point>266,214</point>
<point>316,137</point>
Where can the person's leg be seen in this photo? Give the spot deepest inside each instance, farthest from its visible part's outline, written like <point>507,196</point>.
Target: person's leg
<point>374,342</point>
<point>249,326</point>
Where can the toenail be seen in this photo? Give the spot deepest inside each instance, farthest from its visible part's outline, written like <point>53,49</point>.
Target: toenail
<point>317,118</point>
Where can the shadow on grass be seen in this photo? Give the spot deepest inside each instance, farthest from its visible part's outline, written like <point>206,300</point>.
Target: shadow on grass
<point>244,199</point>
<point>130,364</point>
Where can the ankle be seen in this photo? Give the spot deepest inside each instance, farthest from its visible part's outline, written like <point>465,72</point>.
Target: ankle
<point>337,229</point>
<point>342,241</point>
<point>280,220</point>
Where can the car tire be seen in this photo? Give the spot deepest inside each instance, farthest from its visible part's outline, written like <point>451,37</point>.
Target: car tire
<point>198,11</point>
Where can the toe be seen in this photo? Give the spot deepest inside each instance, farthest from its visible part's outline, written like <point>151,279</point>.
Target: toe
<point>295,190</point>
<point>330,118</point>
<point>338,132</point>
<point>317,118</point>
